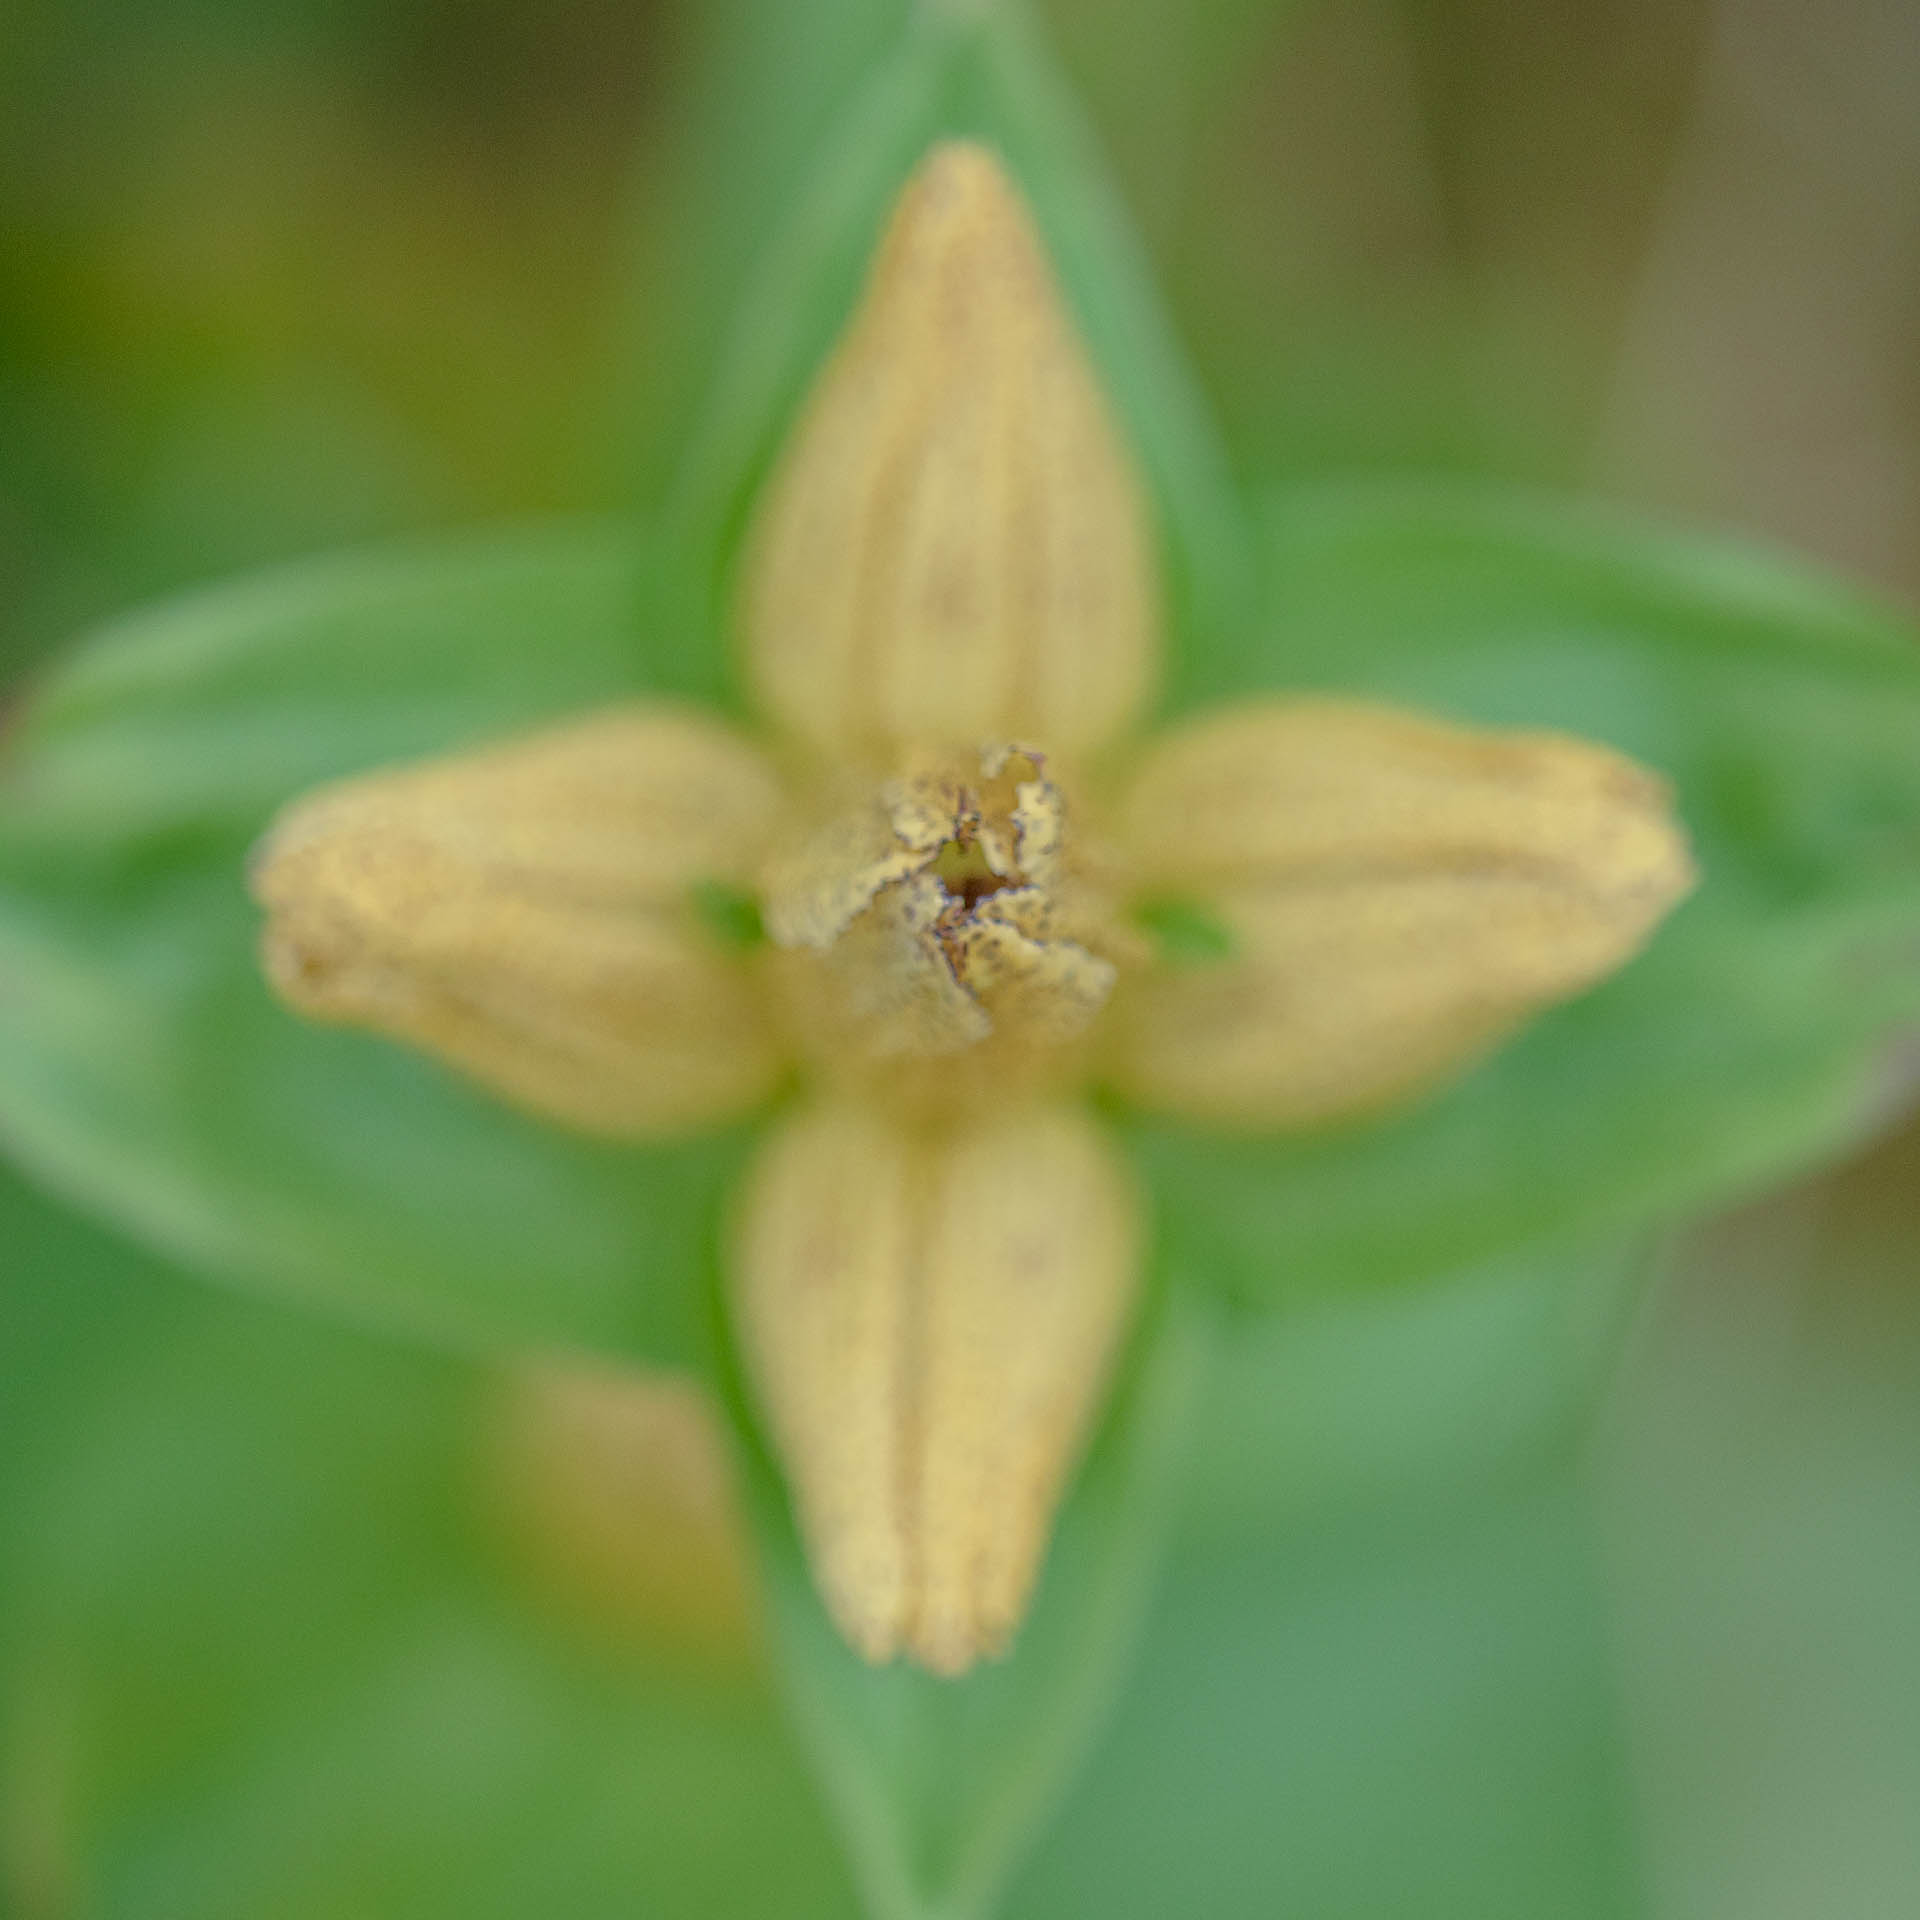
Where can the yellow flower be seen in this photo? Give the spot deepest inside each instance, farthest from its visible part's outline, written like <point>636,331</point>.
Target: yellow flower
<point>951,624</point>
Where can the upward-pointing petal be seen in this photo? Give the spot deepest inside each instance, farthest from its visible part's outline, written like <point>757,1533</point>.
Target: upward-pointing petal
<point>955,546</point>
<point>526,912</point>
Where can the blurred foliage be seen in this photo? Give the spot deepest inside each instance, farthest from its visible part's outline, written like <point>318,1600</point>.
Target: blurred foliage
<point>281,276</point>
<point>271,1645</point>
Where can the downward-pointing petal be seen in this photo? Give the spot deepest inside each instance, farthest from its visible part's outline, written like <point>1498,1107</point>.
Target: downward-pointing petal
<point>929,1320</point>
<point>1395,894</point>
<point>527,913</point>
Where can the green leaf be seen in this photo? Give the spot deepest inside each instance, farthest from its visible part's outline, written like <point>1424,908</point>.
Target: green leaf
<point>1385,1717</point>
<point>272,1646</point>
<point>978,72</point>
<point>1762,1452</point>
<point>256,1657</point>
<point>260,1658</point>
<point>1379,1681</point>
<point>72,1302</point>
<point>1751,1036</point>
<point>758,88</point>
<point>940,1785</point>
<point>144,1068</point>
<point>1348,1402</point>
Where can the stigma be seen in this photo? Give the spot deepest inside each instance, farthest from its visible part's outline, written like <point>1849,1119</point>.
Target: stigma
<point>946,912</point>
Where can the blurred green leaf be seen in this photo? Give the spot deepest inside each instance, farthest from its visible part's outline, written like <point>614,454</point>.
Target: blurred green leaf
<point>258,1658</point>
<point>1389,1715</point>
<point>940,1785</point>
<point>71,1301</point>
<point>1760,1461</point>
<point>759,88</point>
<point>144,1068</point>
<point>268,1646</point>
<point>268,1651</point>
<point>1348,1402</point>
<point>1752,1035</point>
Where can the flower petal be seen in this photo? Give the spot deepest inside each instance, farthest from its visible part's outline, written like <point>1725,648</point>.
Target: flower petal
<point>527,912</point>
<point>929,1321</point>
<point>1397,894</point>
<point>955,546</point>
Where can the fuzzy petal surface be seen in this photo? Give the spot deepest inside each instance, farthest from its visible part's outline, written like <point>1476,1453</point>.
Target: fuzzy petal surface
<point>929,1319</point>
<point>529,913</point>
<point>955,546</point>
<point>1396,894</point>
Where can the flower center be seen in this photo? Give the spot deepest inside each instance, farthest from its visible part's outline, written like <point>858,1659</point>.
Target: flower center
<point>961,868</point>
<point>946,915</point>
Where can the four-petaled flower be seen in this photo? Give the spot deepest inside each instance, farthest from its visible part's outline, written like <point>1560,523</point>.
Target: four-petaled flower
<point>968,880</point>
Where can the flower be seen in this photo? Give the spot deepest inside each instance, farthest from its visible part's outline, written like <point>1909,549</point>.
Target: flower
<point>978,896</point>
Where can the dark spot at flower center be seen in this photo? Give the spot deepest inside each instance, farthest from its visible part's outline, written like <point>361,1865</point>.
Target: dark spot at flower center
<point>961,868</point>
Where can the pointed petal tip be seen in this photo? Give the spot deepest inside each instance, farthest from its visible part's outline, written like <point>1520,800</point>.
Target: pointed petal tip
<point>956,173</point>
